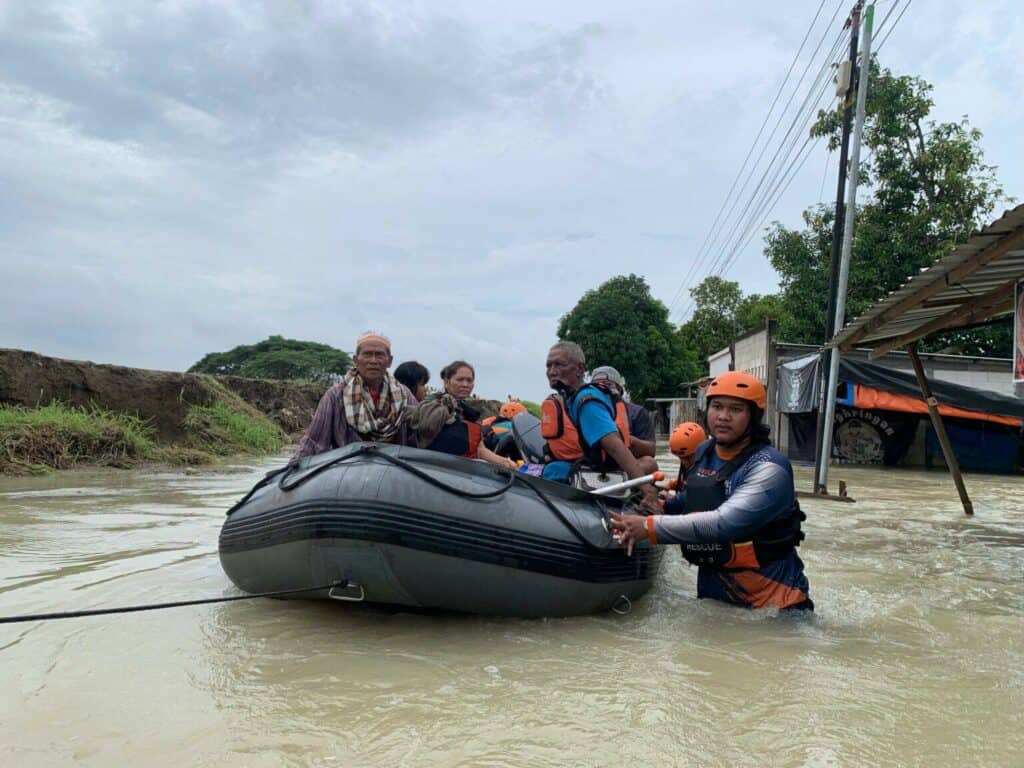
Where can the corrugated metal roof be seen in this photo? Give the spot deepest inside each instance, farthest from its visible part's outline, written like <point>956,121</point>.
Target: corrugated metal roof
<point>965,275</point>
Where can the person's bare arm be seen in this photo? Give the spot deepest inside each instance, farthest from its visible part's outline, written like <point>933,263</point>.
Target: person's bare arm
<point>617,450</point>
<point>485,453</point>
<point>641,448</point>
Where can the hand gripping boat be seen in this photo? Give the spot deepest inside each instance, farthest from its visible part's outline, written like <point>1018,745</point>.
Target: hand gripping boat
<point>409,527</point>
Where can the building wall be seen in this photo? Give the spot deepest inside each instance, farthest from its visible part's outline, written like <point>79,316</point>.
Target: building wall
<point>752,354</point>
<point>718,363</point>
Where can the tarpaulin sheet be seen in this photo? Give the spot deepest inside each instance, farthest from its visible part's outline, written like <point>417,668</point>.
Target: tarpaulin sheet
<point>978,447</point>
<point>953,395</point>
<point>869,397</point>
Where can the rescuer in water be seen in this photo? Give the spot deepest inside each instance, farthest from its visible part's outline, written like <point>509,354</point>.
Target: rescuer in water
<point>741,521</point>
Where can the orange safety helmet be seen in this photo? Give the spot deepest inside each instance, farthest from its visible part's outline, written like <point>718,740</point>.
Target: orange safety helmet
<point>511,409</point>
<point>740,385</point>
<point>685,439</point>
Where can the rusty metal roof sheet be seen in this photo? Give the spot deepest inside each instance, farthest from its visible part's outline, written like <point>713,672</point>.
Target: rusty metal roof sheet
<point>988,261</point>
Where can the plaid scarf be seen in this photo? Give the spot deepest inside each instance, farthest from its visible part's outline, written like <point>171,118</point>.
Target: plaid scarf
<point>380,422</point>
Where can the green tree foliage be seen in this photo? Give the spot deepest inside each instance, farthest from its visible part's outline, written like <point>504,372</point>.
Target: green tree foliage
<point>622,325</point>
<point>278,358</point>
<point>928,190</point>
<point>722,313</point>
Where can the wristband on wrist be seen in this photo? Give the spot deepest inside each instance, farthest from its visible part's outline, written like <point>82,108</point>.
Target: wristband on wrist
<point>651,536</point>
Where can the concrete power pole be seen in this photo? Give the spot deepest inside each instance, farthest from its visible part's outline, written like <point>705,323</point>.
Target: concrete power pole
<point>837,228</point>
<point>844,265</point>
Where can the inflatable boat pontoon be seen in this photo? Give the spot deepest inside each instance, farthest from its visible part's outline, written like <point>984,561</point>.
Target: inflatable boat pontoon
<point>410,527</point>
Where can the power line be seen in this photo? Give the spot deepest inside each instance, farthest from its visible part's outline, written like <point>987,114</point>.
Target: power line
<point>713,250</point>
<point>774,174</point>
<point>702,252</point>
<point>803,118</point>
<point>897,21</point>
<point>779,182</point>
<point>824,176</point>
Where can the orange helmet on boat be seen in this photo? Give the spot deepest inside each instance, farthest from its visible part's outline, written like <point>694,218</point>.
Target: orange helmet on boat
<point>511,409</point>
<point>685,438</point>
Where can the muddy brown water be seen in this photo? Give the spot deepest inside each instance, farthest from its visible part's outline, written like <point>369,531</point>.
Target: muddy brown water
<point>915,657</point>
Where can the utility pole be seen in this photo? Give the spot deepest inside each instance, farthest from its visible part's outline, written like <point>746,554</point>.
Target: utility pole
<point>844,264</point>
<point>820,458</point>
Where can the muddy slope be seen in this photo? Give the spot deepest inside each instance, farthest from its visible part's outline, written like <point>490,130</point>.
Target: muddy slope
<point>30,379</point>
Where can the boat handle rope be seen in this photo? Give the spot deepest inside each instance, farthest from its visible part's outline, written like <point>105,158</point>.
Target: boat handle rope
<point>513,477</point>
<point>402,463</point>
<point>160,606</point>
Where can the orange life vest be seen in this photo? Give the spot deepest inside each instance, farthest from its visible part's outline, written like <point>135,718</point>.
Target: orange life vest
<point>460,438</point>
<point>562,435</point>
<point>474,436</point>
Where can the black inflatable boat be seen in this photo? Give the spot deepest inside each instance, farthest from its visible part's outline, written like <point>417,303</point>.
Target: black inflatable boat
<point>409,527</point>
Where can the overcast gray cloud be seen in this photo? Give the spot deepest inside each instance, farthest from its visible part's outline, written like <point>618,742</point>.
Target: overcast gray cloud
<point>177,178</point>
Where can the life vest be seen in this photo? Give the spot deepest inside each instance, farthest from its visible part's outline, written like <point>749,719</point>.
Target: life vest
<point>564,440</point>
<point>769,543</point>
<point>460,438</point>
<point>495,431</point>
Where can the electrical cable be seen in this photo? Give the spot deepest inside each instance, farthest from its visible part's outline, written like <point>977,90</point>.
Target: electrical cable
<point>893,26</point>
<point>775,186</point>
<point>751,213</point>
<point>836,46</point>
<point>701,251</point>
<point>804,118</point>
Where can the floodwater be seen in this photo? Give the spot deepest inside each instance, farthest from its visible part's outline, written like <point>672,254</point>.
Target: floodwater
<point>915,657</point>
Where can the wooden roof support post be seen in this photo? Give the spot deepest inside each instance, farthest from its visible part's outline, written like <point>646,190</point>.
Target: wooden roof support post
<point>940,429</point>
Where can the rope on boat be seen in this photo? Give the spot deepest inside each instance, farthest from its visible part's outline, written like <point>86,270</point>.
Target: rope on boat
<point>370,448</point>
<point>160,606</point>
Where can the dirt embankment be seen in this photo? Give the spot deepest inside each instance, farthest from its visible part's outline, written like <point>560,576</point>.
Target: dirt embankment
<point>162,397</point>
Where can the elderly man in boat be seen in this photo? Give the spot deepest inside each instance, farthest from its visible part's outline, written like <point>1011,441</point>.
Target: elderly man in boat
<point>368,404</point>
<point>587,423</point>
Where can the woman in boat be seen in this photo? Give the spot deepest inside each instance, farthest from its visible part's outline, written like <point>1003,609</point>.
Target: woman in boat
<point>445,422</point>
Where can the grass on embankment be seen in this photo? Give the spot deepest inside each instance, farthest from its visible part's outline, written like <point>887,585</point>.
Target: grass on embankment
<point>56,436</point>
<point>33,440</point>
<point>229,426</point>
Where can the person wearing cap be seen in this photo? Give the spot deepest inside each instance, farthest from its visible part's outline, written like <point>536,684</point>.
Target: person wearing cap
<point>643,441</point>
<point>741,520</point>
<point>368,404</point>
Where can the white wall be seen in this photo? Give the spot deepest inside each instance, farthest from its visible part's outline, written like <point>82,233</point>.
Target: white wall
<point>718,363</point>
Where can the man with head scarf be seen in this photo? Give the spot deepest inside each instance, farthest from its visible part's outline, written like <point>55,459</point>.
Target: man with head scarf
<point>368,404</point>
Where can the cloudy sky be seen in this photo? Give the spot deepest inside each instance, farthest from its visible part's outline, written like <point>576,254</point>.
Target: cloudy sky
<point>181,177</point>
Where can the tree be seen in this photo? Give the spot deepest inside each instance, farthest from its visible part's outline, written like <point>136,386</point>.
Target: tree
<point>622,325</point>
<point>721,314</point>
<point>928,190</point>
<point>279,358</point>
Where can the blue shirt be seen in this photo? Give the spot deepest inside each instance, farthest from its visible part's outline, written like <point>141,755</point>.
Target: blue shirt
<point>593,420</point>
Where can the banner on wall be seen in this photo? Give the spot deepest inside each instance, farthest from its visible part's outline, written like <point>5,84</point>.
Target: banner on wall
<point>862,436</point>
<point>1018,333</point>
<point>797,390</point>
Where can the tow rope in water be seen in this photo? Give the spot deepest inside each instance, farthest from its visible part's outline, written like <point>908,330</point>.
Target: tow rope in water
<point>160,606</point>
